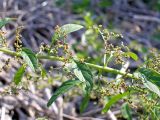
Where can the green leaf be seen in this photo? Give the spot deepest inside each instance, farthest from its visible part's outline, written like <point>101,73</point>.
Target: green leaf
<point>83,73</point>
<point>43,72</point>
<point>67,85</point>
<point>30,58</point>
<point>18,75</point>
<point>114,99</point>
<point>150,75</point>
<point>41,118</point>
<point>132,55</point>
<point>84,102</point>
<point>108,58</point>
<point>126,111</point>
<point>4,21</point>
<point>151,79</point>
<point>152,87</point>
<point>55,37</point>
<point>69,28</point>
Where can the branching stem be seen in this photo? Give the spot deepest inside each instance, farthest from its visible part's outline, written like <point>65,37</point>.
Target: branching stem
<point>54,58</point>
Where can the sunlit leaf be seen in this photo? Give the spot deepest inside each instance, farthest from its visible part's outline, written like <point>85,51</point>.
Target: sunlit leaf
<point>4,21</point>
<point>132,55</point>
<point>41,118</point>
<point>108,58</point>
<point>84,102</point>
<point>67,85</point>
<point>55,37</point>
<point>43,72</point>
<point>18,75</point>
<point>69,28</point>
<point>150,75</point>
<point>83,73</point>
<point>113,100</point>
<point>152,87</point>
<point>151,79</point>
<point>126,111</point>
<point>30,58</point>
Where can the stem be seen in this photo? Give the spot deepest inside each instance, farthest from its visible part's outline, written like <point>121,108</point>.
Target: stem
<point>53,58</point>
<point>112,70</point>
<point>9,52</point>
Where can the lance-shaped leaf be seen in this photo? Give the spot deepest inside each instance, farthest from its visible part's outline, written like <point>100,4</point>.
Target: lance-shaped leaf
<point>69,28</point>
<point>84,102</point>
<point>114,99</point>
<point>83,73</point>
<point>150,75</point>
<point>67,85</point>
<point>65,29</point>
<point>43,72</point>
<point>18,75</point>
<point>152,87</point>
<point>30,58</point>
<point>126,111</point>
<point>4,21</point>
<point>132,55</point>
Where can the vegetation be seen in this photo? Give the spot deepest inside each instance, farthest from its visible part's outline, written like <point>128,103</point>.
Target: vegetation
<point>138,91</point>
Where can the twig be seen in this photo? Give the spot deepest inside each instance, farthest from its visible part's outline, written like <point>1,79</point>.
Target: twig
<point>147,18</point>
<point>123,69</point>
<point>111,115</point>
<point>3,113</point>
<point>53,58</point>
<point>70,117</point>
<point>91,112</point>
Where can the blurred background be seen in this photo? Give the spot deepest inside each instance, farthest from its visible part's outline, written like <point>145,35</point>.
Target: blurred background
<point>137,20</point>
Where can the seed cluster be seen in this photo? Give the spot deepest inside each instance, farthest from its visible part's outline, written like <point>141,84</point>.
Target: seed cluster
<point>3,41</point>
<point>60,48</point>
<point>153,61</point>
<point>18,42</point>
<point>109,88</point>
<point>117,51</point>
<point>6,65</point>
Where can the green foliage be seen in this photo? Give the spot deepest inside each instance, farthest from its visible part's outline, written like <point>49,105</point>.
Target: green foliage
<point>114,99</point>
<point>62,89</point>
<point>126,111</point>
<point>30,58</point>
<point>108,58</point>
<point>61,32</point>
<point>60,2</point>
<point>152,87</point>
<point>69,28</point>
<point>105,3</point>
<point>43,72</point>
<point>88,20</point>
<point>18,75</point>
<point>80,6</point>
<point>132,55</point>
<point>156,36</point>
<point>41,118</point>
<point>4,21</point>
<point>151,79</point>
<point>157,5</point>
<point>84,102</point>
<point>150,75</point>
<point>83,73</point>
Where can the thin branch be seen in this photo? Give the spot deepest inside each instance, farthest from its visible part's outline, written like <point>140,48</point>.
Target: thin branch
<point>53,58</point>
<point>3,113</point>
